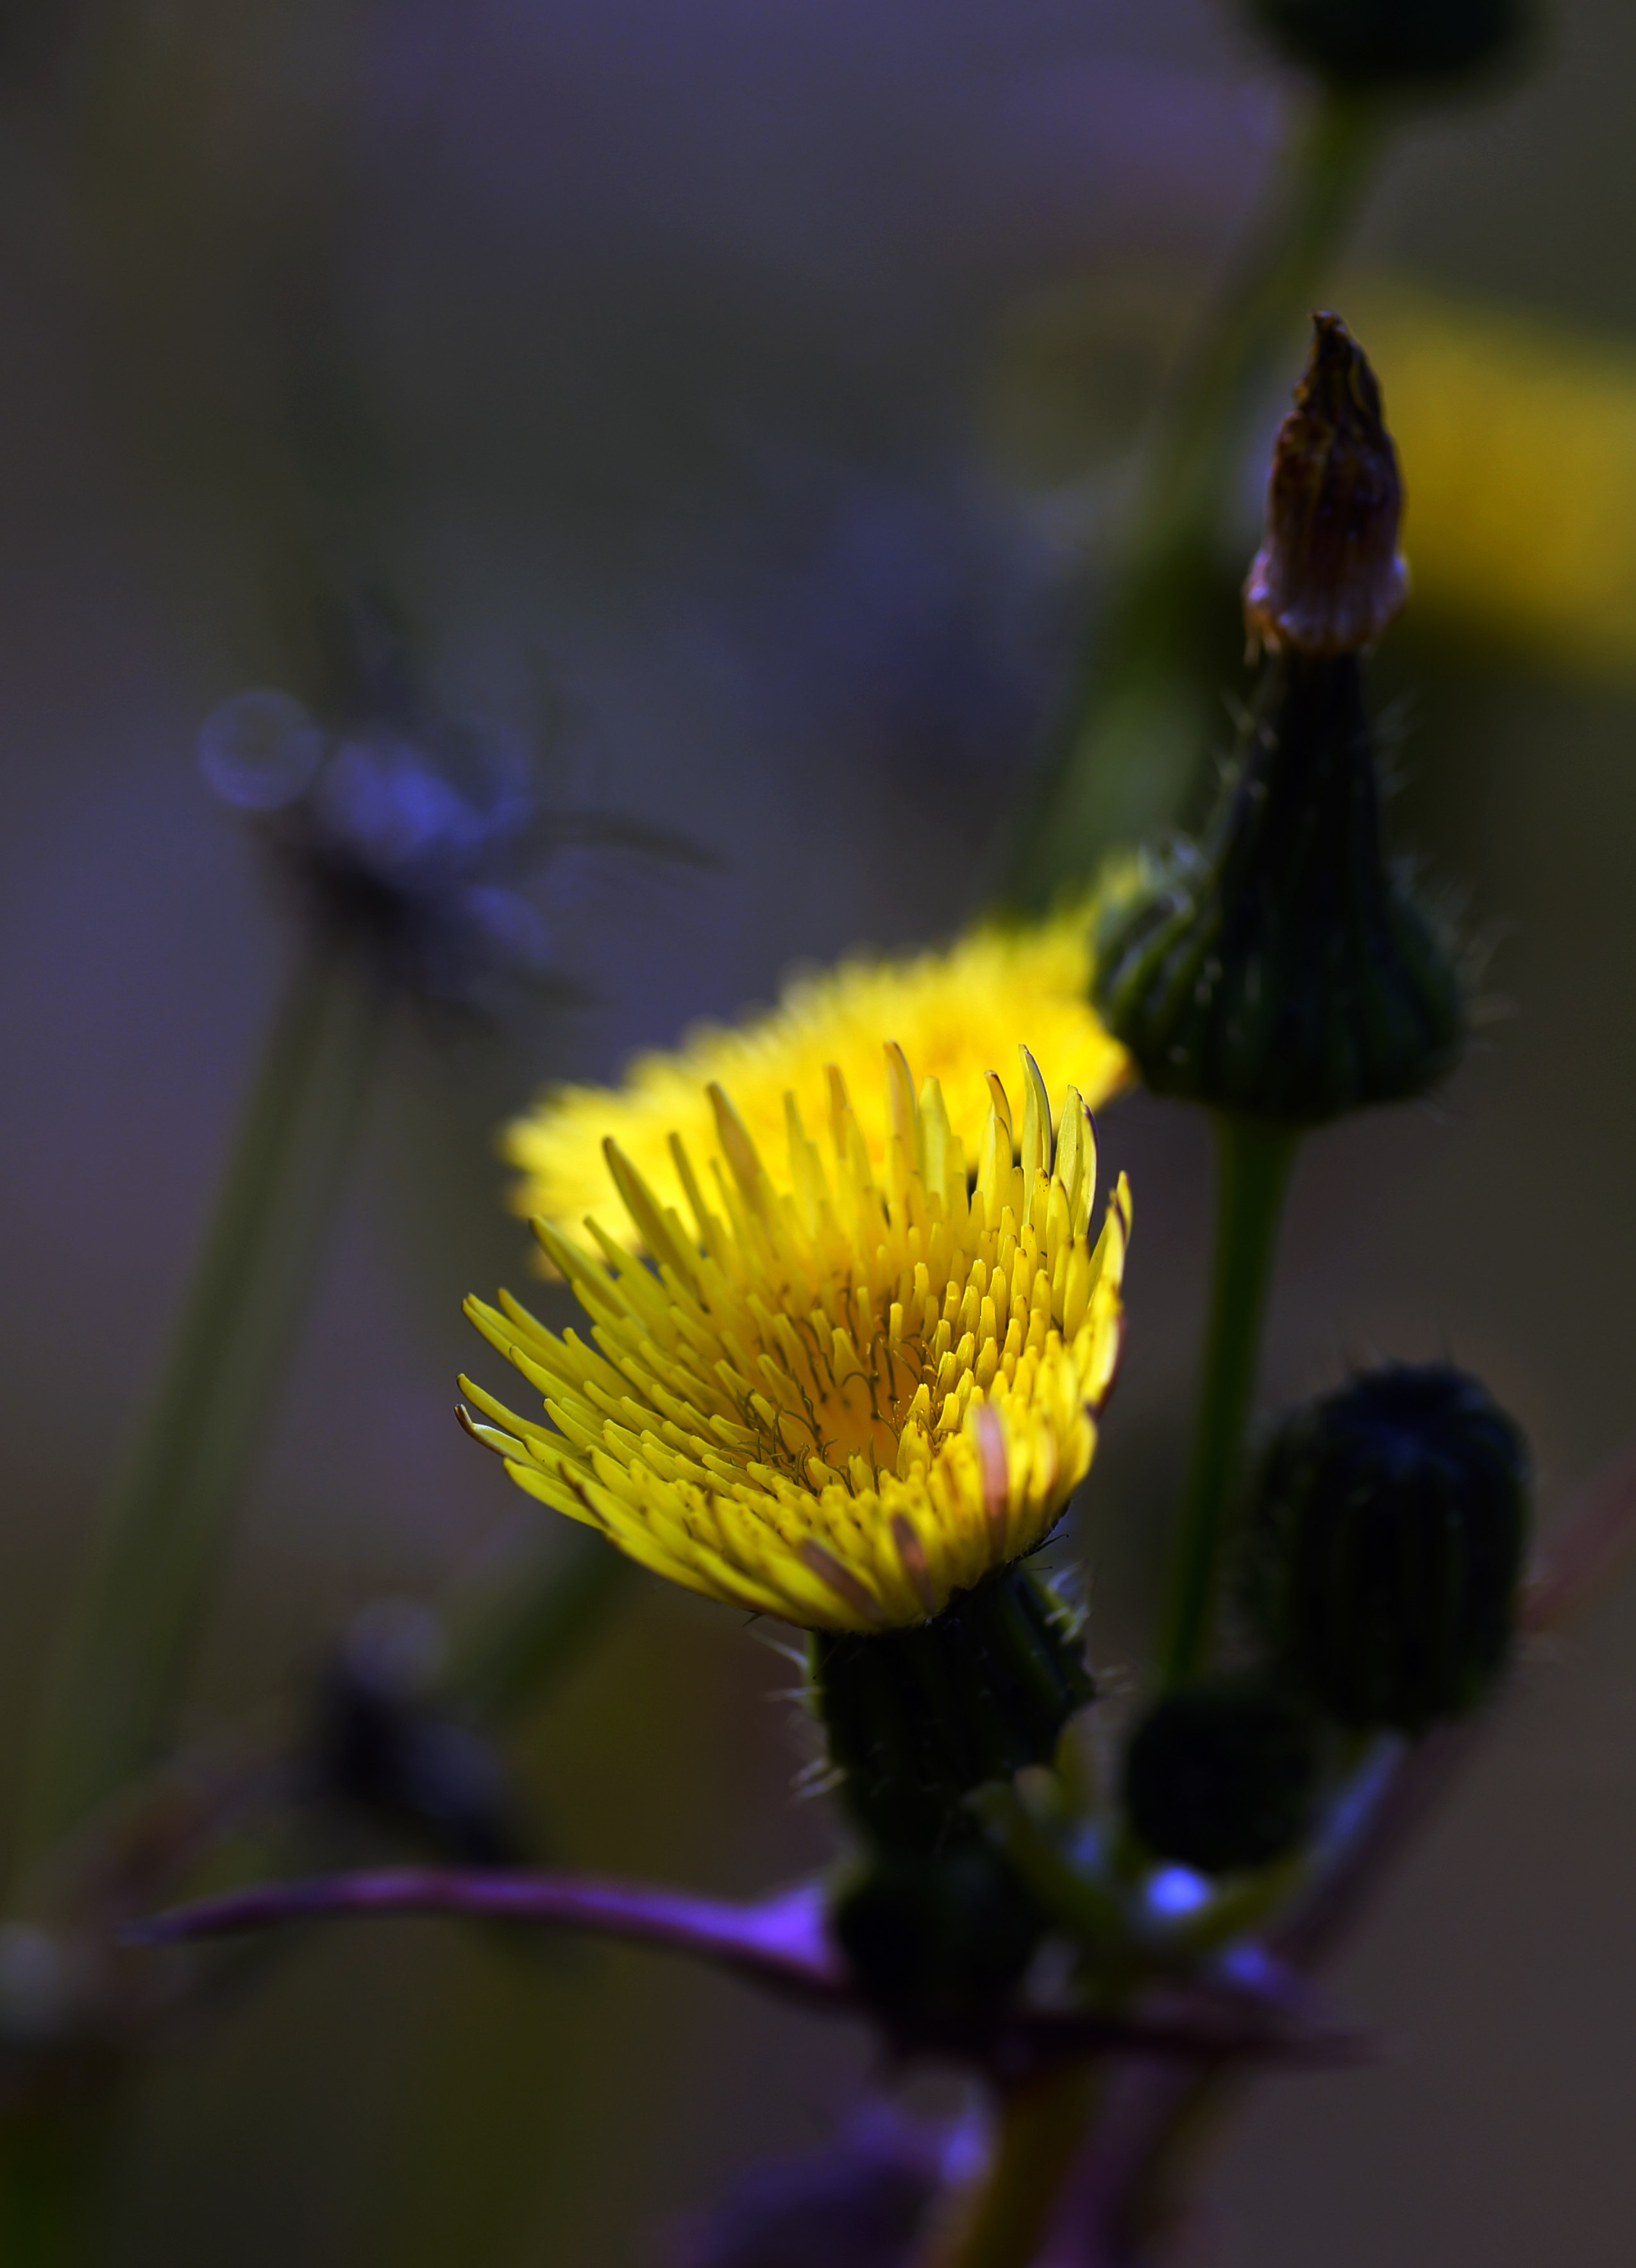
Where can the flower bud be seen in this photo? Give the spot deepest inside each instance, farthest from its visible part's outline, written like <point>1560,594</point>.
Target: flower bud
<point>1222,1776</point>
<point>1282,968</point>
<point>1381,44</point>
<point>1329,576</point>
<point>1385,1546</point>
<point>918,1718</point>
<point>936,1935</point>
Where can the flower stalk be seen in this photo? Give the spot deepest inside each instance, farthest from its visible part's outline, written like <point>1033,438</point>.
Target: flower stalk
<point>784,1943</point>
<point>1254,1158</point>
<point>1042,2124</point>
<point>160,1536</point>
<point>509,1644</point>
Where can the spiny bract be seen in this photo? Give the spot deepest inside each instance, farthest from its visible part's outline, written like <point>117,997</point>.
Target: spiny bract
<point>837,1401</point>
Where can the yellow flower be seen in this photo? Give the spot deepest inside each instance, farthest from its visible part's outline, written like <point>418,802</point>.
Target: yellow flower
<point>954,1013</point>
<point>832,1401</point>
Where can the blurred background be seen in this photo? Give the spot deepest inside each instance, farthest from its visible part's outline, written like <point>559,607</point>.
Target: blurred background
<point>739,401</point>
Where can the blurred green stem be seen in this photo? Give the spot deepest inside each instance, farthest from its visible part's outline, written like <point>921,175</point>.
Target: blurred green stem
<point>54,2170</point>
<point>510,1643</point>
<point>1253,1162</point>
<point>1041,2126</point>
<point>130,1633</point>
<point>1135,725</point>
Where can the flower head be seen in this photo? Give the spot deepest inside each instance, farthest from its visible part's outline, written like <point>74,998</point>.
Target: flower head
<point>954,1012</point>
<point>841,1399</point>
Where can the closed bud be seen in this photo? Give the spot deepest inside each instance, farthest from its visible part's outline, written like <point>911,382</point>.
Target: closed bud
<point>1222,1776</point>
<point>918,1718</point>
<point>1382,44</point>
<point>938,1936</point>
<point>1329,576</point>
<point>1385,1546</point>
<point>1283,969</point>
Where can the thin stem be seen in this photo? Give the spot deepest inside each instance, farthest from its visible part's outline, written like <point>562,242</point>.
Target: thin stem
<point>784,1942</point>
<point>509,1645</point>
<point>1253,1162</point>
<point>1135,725</point>
<point>1040,2128</point>
<point>159,1537</point>
<point>53,2179</point>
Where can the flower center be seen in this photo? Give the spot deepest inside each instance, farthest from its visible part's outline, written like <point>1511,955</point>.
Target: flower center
<point>838,1400</point>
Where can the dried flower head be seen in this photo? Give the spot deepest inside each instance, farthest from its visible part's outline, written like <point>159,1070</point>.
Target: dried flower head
<point>834,1401</point>
<point>1328,577</point>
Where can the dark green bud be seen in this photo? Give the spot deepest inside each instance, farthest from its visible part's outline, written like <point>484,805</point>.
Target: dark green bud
<point>1381,44</point>
<point>1385,1546</point>
<point>1282,968</point>
<point>940,1935</point>
<point>918,1718</point>
<point>1223,1776</point>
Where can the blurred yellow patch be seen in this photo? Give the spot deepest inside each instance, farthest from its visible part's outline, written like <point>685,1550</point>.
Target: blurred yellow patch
<point>1517,440</point>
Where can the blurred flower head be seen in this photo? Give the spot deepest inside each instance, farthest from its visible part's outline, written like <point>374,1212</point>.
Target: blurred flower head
<point>956,1014</point>
<point>1376,44</point>
<point>863,2199</point>
<point>413,841</point>
<point>382,1746</point>
<point>842,1399</point>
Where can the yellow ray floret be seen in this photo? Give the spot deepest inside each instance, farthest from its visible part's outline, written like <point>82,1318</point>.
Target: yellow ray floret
<point>840,1399</point>
<point>954,1012</point>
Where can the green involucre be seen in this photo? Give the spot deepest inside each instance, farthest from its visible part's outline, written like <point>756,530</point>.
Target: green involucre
<point>1282,969</point>
<point>1385,1546</point>
<point>1223,1775</point>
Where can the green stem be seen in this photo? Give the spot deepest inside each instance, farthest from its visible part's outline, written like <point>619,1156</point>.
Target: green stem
<point>1253,1161</point>
<point>1136,724</point>
<point>510,1643</point>
<point>130,1632</point>
<point>55,2161</point>
<point>1041,2126</point>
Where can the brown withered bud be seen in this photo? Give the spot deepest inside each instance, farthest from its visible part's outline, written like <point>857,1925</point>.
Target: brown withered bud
<point>1329,576</point>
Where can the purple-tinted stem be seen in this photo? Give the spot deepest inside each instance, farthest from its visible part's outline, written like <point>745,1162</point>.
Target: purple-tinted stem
<point>783,1941</point>
<point>1151,2106</point>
